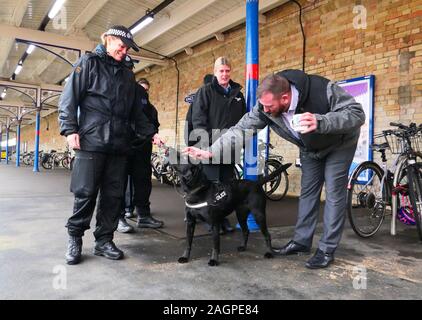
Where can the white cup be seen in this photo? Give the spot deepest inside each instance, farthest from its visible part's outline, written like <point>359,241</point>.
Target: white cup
<point>296,125</point>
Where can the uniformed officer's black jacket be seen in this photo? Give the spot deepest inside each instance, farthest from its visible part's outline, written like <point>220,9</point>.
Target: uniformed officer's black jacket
<point>213,108</point>
<point>149,110</point>
<point>99,103</point>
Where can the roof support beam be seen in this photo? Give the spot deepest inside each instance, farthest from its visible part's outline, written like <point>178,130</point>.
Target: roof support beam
<point>47,87</point>
<point>222,23</point>
<point>56,40</point>
<point>178,16</point>
<point>89,12</point>
<point>47,38</point>
<point>219,25</point>
<point>92,8</point>
<point>14,104</point>
<point>16,20</point>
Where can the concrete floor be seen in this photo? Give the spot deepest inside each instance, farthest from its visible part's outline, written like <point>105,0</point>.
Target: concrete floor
<point>34,208</point>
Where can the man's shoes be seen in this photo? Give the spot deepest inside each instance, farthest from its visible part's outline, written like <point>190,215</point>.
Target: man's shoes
<point>149,222</point>
<point>320,259</point>
<point>124,227</point>
<point>108,250</point>
<point>294,248</point>
<point>129,214</point>
<point>74,249</point>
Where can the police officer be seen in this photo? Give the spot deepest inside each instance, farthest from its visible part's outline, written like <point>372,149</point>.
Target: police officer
<point>140,172</point>
<point>218,105</point>
<point>96,114</point>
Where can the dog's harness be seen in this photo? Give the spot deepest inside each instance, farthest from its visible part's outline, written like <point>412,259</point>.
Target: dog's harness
<point>219,196</point>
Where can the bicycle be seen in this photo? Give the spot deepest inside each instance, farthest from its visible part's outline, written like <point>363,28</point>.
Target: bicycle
<point>67,159</point>
<point>372,188</point>
<point>161,168</point>
<point>55,159</point>
<point>275,189</point>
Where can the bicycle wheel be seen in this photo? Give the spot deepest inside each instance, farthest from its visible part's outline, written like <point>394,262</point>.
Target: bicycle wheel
<point>66,162</point>
<point>47,163</point>
<point>414,178</point>
<point>276,189</point>
<point>26,159</point>
<point>366,203</point>
<point>156,166</point>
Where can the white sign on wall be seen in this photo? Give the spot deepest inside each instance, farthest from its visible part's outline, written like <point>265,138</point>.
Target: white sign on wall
<point>362,89</point>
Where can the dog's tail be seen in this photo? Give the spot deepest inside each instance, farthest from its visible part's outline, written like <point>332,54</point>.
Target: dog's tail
<point>274,174</point>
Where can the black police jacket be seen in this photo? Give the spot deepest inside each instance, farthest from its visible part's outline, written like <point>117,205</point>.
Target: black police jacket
<point>149,110</point>
<point>99,103</point>
<point>213,109</point>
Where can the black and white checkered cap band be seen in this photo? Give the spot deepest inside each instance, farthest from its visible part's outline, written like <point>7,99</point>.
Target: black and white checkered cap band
<point>119,33</point>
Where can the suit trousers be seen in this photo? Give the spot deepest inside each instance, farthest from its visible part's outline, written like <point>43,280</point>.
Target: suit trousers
<point>102,174</point>
<point>333,171</point>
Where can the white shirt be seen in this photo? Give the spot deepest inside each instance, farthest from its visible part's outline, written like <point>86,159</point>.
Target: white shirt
<point>288,116</point>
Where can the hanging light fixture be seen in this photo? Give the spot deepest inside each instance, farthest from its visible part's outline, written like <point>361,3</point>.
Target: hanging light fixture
<point>146,20</point>
<point>30,49</point>
<point>56,8</point>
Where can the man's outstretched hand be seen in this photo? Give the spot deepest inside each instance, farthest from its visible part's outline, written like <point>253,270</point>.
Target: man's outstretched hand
<point>197,153</point>
<point>156,139</point>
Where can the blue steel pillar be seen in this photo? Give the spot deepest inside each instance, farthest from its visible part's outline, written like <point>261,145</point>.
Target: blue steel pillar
<point>1,136</point>
<point>7,143</point>
<point>37,141</point>
<point>18,142</point>
<point>252,75</point>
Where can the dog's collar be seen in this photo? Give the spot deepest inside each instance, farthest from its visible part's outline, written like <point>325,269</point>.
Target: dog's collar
<point>217,198</point>
<point>197,205</point>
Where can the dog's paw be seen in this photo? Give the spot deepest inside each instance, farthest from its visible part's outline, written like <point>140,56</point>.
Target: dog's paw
<point>213,263</point>
<point>268,255</point>
<point>183,260</point>
<point>241,248</point>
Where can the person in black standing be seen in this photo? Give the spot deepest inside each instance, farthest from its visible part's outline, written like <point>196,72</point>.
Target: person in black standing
<point>97,112</point>
<point>143,171</point>
<point>140,172</point>
<point>217,106</point>
<point>189,125</point>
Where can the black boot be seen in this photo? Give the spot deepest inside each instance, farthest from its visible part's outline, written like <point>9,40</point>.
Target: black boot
<point>74,249</point>
<point>108,250</point>
<point>145,220</point>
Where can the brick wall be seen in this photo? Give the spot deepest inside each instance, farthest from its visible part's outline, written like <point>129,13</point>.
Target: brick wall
<point>390,48</point>
<point>49,135</point>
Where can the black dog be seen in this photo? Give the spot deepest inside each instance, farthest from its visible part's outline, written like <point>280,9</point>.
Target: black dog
<point>212,202</point>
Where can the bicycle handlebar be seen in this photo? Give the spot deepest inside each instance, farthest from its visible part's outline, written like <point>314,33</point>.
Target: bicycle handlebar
<point>403,131</point>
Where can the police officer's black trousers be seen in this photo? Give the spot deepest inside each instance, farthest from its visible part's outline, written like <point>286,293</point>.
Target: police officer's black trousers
<point>96,173</point>
<point>141,176</point>
<point>140,172</point>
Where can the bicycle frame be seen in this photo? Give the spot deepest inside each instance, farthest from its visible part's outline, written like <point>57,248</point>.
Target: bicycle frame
<point>385,195</point>
<point>397,175</point>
